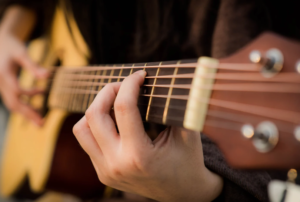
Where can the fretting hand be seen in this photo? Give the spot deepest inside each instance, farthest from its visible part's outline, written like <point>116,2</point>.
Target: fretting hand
<point>170,168</point>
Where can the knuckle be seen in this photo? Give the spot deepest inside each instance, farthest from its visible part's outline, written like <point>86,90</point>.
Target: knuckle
<point>105,179</point>
<point>76,129</point>
<point>115,172</point>
<point>136,163</point>
<point>89,114</point>
<point>109,85</point>
<point>121,106</point>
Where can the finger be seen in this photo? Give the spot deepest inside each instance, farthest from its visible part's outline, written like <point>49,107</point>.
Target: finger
<point>31,92</point>
<point>30,113</point>
<point>127,113</point>
<point>12,101</point>
<point>113,116</point>
<point>86,139</point>
<point>23,59</point>
<point>99,119</point>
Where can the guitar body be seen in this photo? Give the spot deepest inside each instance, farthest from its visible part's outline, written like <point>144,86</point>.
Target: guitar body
<point>48,157</point>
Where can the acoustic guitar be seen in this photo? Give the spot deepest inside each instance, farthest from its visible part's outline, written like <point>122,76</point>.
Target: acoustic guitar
<point>247,103</point>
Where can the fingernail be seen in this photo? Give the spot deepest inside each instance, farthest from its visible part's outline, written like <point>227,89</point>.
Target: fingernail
<point>141,72</point>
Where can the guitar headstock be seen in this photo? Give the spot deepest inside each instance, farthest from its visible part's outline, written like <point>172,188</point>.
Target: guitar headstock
<point>254,110</point>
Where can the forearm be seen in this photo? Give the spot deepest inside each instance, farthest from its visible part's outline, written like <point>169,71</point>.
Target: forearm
<point>18,21</point>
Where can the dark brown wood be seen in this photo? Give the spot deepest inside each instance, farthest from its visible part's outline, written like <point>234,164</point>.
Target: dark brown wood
<point>239,151</point>
<point>176,108</point>
<point>72,171</point>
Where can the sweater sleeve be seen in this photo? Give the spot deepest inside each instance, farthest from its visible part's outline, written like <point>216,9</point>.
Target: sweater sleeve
<point>239,185</point>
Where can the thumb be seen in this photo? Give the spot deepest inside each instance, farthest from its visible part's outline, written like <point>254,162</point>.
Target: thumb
<point>23,59</point>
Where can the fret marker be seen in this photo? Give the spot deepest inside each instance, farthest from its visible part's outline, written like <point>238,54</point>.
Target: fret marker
<point>165,114</point>
<point>195,113</point>
<point>152,91</point>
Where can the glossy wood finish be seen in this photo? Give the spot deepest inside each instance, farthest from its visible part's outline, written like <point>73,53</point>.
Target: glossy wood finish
<point>239,151</point>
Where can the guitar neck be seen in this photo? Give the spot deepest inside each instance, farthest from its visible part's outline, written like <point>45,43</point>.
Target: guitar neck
<point>163,97</point>
<point>250,108</point>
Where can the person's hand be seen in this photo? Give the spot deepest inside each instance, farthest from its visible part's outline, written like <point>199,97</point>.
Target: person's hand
<point>13,55</point>
<point>170,168</point>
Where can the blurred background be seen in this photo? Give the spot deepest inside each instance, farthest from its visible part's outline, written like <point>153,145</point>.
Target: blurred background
<point>3,122</point>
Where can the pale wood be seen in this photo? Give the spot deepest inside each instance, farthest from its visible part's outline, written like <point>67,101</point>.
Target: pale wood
<point>28,148</point>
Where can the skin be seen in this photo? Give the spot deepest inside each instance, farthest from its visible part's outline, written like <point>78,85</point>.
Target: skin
<point>170,168</point>
<point>15,28</point>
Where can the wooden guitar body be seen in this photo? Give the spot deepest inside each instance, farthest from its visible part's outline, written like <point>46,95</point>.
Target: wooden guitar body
<point>34,154</point>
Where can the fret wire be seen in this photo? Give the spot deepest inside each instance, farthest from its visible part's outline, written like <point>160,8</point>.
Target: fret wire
<point>145,66</point>
<point>86,97</point>
<point>68,95</point>
<point>75,104</point>
<point>92,96</point>
<point>64,95</point>
<point>131,69</point>
<point>165,114</point>
<point>152,91</point>
<point>81,100</point>
<point>120,74</point>
<point>102,81</point>
<point>72,96</point>
<point>111,74</point>
<point>78,97</point>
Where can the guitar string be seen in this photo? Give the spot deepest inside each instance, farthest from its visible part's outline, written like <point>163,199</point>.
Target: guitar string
<point>225,66</point>
<point>228,66</point>
<point>185,97</point>
<point>185,76</point>
<point>253,87</point>
<point>285,127</point>
<point>288,116</point>
<point>184,109</point>
<point>286,77</point>
<point>219,124</point>
<point>231,119</point>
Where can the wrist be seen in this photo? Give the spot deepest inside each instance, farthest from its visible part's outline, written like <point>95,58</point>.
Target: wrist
<point>17,22</point>
<point>214,185</point>
<point>203,188</point>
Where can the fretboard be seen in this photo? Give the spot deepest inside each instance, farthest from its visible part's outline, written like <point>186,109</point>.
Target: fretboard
<point>163,97</point>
